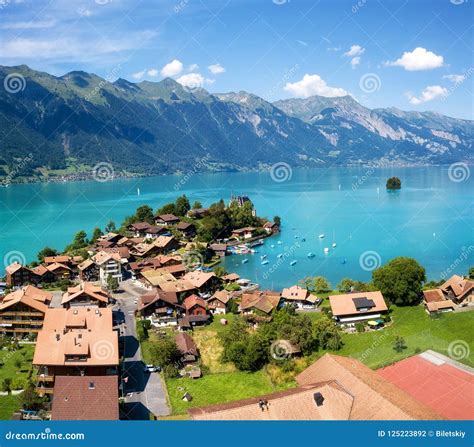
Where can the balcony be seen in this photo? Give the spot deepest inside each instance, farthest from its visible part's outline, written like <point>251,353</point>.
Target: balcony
<point>45,378</point>
<point>42,390</point>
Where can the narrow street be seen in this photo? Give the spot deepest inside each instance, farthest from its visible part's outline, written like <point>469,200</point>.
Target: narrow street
<point>144,392</point>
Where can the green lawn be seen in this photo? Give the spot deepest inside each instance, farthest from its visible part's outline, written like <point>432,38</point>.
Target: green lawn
<point>420,332</point>
<point>8,405</point>
<point>19,376</point>
<point>218,388</point>
<point>374,348</point>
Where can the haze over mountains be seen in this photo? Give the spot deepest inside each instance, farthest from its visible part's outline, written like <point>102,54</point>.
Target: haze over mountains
<point>162,127</point>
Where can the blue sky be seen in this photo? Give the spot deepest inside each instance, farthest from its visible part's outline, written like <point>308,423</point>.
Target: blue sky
<point>414,55</point>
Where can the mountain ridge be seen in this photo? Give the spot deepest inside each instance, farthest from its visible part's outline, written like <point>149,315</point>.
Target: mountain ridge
<point>81,119</point>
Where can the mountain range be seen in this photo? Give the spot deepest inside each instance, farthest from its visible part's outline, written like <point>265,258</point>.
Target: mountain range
<point>80,119</point>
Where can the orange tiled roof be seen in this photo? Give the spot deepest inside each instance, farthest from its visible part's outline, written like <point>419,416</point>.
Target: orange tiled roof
<point>344,305</point>
<point>30,296</point>
<point>86,288</point>
<point>85,331</point>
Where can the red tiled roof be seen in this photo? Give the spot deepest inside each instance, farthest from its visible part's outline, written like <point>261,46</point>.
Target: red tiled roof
<point>85,398</point>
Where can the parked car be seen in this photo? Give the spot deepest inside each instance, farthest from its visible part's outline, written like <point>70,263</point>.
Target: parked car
<point>151,369</point>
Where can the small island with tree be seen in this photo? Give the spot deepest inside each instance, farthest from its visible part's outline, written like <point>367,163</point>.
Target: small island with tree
<point>394,183</point>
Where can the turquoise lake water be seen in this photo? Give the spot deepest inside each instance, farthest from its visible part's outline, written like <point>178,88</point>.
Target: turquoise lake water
<point>430,219</point>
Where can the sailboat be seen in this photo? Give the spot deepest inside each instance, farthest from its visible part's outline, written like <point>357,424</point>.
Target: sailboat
<point>333,238</point>
<point>138,191</point>
<point>321,236</point>
<point>293,262</point>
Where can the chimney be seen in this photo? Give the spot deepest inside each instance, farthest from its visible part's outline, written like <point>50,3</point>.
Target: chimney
<point>318,398</point>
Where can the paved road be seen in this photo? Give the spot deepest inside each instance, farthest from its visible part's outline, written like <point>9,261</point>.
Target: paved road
<point>144,392</point>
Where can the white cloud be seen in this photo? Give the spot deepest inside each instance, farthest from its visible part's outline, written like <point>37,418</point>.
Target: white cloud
<point>454,78</point>
<point>67,49</point>
<point>428,94</point>
<point>194,80</point>
<point>29,25</point>
<point>419,59</point>
<point>152,72</point>
<point>193,67</point>
<point>139,74</point>
<point>173,68</point>
<point>355,61</point>
<point>313,85</point>
<point>355,50</point>
<point>216,68</point>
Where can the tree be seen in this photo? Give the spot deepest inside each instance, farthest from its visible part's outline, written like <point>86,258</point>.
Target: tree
<point>46,251</point>
<point>349,285</point>
<point>471,273</point>
<point>182,205</point>
<point>144,213</point>
<point>79,241</point>
<point>399,344</point>
<point>345,285</point>
<point>197,204</point>
<point>277,220</point>
<point>327,334</point>
<point>394,183</point>
<point>219,271</point>
<point>112,283</point>
<point>7,385</point>
<point>169,208</point>
<point>110,227</point>
<point>400,280</point>
<point>318,284</point>
<point>96,234</point>
<point>164,352</point>
<point>30,400</point>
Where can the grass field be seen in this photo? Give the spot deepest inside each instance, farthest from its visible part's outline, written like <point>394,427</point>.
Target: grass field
<point>8,360</point>
<point>223,383</point>
<point>420,332</point>
<point>217,388</point>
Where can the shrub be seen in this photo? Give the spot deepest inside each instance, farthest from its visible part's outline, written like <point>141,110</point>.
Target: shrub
<point>360,327</point>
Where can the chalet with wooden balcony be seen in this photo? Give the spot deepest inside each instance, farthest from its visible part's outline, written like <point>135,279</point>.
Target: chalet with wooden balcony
<point>79,341</point>
<point>22,311</point>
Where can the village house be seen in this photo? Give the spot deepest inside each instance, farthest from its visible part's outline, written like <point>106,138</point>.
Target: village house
<point>166,219</point>
<point>66,260</point>
<point>85,398</point>
<point>332,388</point>
<point>264,302</point>
<point>187,348</point>
<point>230,277</point>
<point>217,303</point>
<point>88,271</point>
<point>139,229</point>
<point>60,271</point>
<point>271,227</point>
<point>356,307</point>
<point>244,233</point>
<point>219,249</point>
<point>161,308</point>
<point>18,274</point>
<point>165,281</point>
<point>202,281</point>
<point>454,293</point>
<point>188,230</point>
<point>43,275</point>
<point>159,245</point>
<point>110,264</point>
<point>85,294</point>
<point>299,297</point>
<point>78,341</point>
<point>195,312</point>
<point>22,311</point>
<point>198,213</point>
<point>459,290</point>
